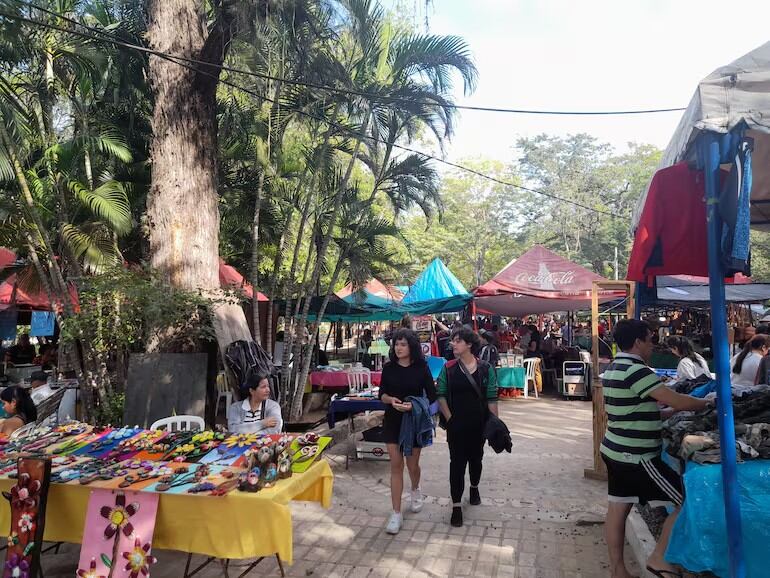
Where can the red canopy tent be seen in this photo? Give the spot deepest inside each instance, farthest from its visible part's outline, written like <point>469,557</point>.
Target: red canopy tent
<point>373,287</point>
<point>540,281</point>
<point>11,294</point>
<point>230,278</point>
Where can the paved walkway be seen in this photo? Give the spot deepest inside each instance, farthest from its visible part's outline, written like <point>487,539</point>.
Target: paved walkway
<point>539,516</point>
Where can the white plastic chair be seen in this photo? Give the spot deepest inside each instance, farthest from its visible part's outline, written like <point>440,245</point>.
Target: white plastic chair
<point>359,378</point>
<point>530,365</point>
<point>223,392</point>
<point>179,423</point>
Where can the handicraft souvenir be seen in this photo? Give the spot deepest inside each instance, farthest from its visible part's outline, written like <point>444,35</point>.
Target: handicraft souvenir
<point>117,538</point>
<point>28,500</point>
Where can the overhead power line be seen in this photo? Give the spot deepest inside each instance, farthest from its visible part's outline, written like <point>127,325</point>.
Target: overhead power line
<point>179,61</point>
<point>351,92</point>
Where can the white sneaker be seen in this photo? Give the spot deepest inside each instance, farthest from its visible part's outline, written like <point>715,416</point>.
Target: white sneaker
<point>394,523</point>
<point>416,501</point>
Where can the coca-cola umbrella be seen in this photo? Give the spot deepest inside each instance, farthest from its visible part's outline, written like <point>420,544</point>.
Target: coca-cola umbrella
<point>540,281</point>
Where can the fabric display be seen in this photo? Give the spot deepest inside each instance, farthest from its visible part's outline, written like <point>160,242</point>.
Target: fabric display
<point>686,386</point>
<point>42,324</point>
<point>695,436</point>
<point>8,320</point>
<point>735,210</point>
<point>28,500</point>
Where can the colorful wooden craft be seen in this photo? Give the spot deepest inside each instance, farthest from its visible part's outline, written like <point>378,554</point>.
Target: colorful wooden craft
<point>28,500</point>
<point>117,538</point>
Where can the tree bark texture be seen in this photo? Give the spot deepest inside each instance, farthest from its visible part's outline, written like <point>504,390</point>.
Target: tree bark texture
<point>182,205</point>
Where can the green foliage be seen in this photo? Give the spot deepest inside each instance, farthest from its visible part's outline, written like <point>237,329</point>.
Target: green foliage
<point>129,311</point>
<point>110,410</point>
<point>478,233</point>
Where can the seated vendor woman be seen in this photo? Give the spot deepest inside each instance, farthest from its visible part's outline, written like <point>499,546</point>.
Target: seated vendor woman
<point>257,413</point>
<point>19,407</point>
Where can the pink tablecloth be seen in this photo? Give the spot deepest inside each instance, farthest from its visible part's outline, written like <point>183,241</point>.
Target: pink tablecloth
<point>337,379</point>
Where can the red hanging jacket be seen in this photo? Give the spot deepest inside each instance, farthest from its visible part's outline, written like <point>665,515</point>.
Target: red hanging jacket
<point>671,238</point>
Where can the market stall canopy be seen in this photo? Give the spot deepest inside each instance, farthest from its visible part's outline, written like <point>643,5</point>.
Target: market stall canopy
<point>731,95</point>
<point>230,278</point>
<point>436,290</point>
<point>539,281</point>
<point>374,292</point>
<point>338,309</point>
<point>689,289</point>
<point>13,295</point>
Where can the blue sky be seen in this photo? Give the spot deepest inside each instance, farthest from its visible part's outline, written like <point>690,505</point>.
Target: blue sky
<point>588,55</point>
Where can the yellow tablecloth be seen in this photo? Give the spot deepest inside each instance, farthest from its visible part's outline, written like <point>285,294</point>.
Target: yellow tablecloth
<point>238,525</point>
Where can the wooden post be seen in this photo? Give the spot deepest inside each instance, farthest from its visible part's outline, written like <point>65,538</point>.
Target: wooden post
<point>599,470</point>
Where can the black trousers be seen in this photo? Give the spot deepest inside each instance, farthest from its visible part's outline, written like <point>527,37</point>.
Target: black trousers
<point>466,451</point>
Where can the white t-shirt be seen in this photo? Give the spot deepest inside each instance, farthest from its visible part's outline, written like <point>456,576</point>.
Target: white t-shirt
<point>688,369</point>
<point>748,369</point>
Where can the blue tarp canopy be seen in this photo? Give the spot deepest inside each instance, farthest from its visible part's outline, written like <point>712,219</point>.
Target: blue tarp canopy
<point>436,290</point>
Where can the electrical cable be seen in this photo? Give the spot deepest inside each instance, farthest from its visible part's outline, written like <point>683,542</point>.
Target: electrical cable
<point>179,62</point>
<point>352,92</point>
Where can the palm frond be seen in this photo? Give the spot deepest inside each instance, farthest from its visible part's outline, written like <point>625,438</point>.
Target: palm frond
<point>93,244</point>
<point>108,202</point>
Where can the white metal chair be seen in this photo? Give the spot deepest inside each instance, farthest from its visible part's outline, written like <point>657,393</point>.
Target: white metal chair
<point>179,423</point>
<point>359,378</point>
<point>531,365</point>
<point>223,391</point>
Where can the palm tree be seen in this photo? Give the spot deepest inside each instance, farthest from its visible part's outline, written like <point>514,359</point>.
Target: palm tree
<point>57,164</point>
<point>417,71</point>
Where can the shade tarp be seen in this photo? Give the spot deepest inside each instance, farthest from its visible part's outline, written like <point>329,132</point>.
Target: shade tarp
<point>539,281</point>
<point>436,283</point>
<point>338,309</point>
<point>689,289</point>
<point>374,292</point>
<point>13,295</point>
<point>731,95</point>
<point>230,278</point>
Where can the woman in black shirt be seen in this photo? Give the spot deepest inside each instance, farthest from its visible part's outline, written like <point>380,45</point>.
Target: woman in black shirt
<point>406,375</point>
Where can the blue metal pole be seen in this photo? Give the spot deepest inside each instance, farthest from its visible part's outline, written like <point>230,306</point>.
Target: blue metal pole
<point>709,143</point>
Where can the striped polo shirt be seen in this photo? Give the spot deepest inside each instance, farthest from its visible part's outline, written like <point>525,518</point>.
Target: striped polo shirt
<point>633,418</point>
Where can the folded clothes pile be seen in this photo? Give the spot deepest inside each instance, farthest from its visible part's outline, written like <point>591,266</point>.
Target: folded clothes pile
<point>687,385</point>
<point>695,436</point>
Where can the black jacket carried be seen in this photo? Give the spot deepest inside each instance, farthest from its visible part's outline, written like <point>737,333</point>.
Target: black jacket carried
<point>497,434</point>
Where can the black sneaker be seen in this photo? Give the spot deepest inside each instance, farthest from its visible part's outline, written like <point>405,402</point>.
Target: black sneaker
<point>474,498</point>
<point>457,517</point>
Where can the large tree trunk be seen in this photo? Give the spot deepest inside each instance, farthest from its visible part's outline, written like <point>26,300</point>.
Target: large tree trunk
<point>182,205</point>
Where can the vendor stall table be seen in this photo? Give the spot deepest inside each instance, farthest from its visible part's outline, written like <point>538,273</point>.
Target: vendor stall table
<point>334,381</point>
<point>511,377</point>
<point>699,537</point>
<point>235,526</point>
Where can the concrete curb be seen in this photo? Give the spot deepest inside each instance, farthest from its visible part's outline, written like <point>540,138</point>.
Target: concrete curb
<point>640,539</point>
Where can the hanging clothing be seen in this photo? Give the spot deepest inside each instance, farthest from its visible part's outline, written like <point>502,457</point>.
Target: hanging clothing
<point>671,237</point>
<point>735,211</point>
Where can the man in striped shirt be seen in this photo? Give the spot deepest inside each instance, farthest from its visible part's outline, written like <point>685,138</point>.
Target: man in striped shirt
<point>632,444</point>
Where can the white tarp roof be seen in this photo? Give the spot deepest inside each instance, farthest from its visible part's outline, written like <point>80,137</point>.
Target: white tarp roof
<point>737,92</point>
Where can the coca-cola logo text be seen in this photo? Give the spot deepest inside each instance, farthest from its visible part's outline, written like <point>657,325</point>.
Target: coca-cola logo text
<point>547,279</point>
